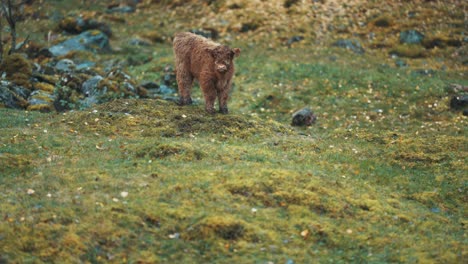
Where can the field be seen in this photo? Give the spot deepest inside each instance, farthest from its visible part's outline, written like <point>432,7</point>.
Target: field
<point>379,178</point>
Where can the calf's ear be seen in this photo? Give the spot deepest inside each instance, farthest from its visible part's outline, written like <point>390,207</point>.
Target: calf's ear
<point>236,52</point>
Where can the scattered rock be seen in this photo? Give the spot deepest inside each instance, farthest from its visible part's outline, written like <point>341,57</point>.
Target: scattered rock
<point>12,96</point>
<point>248,26</point>
<point>89,87</point>
<point>169,77</point>
<point>93,40</point>
<point>120,9</point>
<point>293,40</point>
<point>139,42</point>
<point>412,14</point>
<point>77,25</point>
<point>155,90</point>
<point>206,32</point>
<point>149,85</point>
<point>163,89</point>
<point>303,117</point>
<point>455,88</point>
<point>20,91</point>
<point>424,72</point>
<point>65,65</point>
<point>86,65</point>
<point>401,63</point>
<point>41,101</point>
<point>351,44</point>
<point>459,102</point>
<point>411,37</point>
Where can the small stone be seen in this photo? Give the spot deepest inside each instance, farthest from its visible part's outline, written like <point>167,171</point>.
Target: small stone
<point>30,191</point>
<point>411,37</point>
<point>121,9</point>
<point>351,44</point>
<point>163,89</point>
<point>139,42</point>
<point>206,32</point>
<point>293,40</point>
<point>174,236</point>
<point>149,85</point>
<point>303,117</point>
<point>124,194</point>
<point>459,102</point>
<point>65,65</point>
<point>401,63</point>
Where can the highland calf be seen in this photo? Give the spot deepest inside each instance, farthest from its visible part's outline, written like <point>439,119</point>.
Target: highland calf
<point>208,62</point>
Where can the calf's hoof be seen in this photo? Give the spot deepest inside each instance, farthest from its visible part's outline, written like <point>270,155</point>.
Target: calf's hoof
<point>210,111</point>
<point>223,110</point>
<point>185,101</point>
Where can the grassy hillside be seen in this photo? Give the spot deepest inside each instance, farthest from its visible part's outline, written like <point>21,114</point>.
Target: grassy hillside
<point>380,178</point>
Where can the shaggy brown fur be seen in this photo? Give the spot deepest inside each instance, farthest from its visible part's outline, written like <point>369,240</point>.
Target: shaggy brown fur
<point>210,63</point>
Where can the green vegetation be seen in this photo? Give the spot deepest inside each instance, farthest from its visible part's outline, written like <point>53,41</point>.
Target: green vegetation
<point>380,178</point>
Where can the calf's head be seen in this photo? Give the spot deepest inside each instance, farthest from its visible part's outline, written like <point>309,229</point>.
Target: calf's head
<point>223,57</point>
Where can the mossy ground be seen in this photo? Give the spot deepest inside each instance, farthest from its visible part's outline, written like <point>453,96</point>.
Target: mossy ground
<point>381,176</point>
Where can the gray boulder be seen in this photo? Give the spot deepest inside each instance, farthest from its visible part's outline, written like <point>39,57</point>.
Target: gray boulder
<point>92,40</point>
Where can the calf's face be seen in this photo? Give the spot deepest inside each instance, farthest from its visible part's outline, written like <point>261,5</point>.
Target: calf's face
<point>223,57</point>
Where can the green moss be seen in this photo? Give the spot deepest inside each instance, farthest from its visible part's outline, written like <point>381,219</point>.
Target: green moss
<point>44,87</point>
<point>409,51</point>
<point>16,63</point>
<point>40,107</point>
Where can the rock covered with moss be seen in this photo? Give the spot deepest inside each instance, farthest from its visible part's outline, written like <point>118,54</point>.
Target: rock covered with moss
<point>63,84</point>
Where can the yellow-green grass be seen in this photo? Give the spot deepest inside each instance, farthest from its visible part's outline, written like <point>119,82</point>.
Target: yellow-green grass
<point>380,178</point>
<point>146,180</point>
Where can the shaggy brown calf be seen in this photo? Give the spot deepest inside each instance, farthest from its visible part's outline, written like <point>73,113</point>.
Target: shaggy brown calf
<point>210,63</point>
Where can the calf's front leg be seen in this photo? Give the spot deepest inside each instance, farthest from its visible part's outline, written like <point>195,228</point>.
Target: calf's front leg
<point>223,96</point>
<point>209,92</point>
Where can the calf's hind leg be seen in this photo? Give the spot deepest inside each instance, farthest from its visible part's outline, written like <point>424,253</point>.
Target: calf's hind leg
<point>184,83</point>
